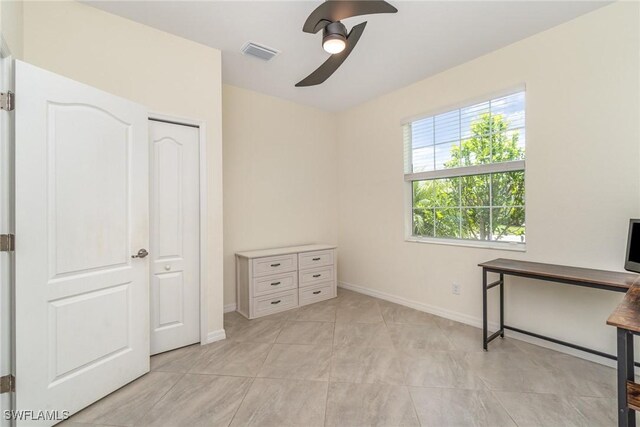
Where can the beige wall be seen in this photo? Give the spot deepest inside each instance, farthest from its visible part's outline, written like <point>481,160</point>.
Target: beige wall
<point>11,25</point>
<point>168,74</point>
<point>582,177</point>
<point>280,176</point>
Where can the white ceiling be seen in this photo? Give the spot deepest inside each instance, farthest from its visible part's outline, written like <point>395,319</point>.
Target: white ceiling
<point>422,39</point>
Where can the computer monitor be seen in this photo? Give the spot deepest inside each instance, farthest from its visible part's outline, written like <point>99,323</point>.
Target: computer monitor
<point>632,262</point>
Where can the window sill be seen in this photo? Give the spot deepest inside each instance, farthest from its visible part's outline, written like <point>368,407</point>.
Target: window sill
<point>502,246</point>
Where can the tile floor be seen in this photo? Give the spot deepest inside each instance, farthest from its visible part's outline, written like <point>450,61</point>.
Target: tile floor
<point>359,361</point>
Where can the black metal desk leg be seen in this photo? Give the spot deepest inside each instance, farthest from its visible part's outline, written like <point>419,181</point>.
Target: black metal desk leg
<point>501,305</point>
<point>626,416</point>
<point>484,309</point>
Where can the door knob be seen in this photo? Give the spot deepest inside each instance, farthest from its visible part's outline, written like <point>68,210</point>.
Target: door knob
<point>141,254</point>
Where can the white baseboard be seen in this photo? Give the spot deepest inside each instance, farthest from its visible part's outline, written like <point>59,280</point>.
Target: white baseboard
<point>427,308</point>
<point>476,322</point>
<point>230,307</point>
<point>214,336</point>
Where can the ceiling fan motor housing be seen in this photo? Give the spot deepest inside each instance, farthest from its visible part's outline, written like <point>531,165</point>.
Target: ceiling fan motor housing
<point>334,30</point>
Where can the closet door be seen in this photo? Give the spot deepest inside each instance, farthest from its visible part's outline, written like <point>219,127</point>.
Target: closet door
<point>175,235</point>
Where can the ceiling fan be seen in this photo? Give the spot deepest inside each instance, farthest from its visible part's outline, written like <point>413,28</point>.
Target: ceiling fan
<point>335,39</point>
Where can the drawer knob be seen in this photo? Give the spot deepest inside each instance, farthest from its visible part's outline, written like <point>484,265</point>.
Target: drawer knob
<point>316,259</point>
<point>275,283</point>
<point>276,302</point>
<point>167,267</point>
<point>275,265</point>
<point>317,292</point>
<point>317,275</point>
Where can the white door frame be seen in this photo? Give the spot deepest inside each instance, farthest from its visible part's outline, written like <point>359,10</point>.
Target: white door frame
<point>204,309</point>
<point>7,224</point>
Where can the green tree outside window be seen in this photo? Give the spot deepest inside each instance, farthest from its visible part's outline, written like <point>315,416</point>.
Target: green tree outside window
<point>476,207</point>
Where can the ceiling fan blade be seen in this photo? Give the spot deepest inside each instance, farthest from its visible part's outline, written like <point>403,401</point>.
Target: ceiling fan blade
<point>336,10</point>
<point>329,66</point>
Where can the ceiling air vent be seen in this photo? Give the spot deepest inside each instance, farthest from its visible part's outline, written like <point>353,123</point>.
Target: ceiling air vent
<point>263,52</point>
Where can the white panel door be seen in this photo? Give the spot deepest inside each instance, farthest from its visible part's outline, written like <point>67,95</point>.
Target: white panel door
<point>82,301</point>
<point>175,230</point>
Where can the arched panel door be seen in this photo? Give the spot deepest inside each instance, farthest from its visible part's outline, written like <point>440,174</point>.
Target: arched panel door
<point>175,235</point>
<point>82,300</point>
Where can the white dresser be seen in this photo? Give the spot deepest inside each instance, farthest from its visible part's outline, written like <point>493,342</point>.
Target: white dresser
<point>272,280</point>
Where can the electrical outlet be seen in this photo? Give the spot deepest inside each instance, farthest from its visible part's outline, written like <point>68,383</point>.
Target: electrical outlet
<point>455,288</point>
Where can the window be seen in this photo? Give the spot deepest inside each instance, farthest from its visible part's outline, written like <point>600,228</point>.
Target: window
<point>465,169</point>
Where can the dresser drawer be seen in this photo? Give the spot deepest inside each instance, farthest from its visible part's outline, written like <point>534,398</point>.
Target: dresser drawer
<point>275,264</point>
<point>315,259</point>
<point>316,293</point>
<point>275,283</point>
<point>275,303</point>
<point>315,275</point>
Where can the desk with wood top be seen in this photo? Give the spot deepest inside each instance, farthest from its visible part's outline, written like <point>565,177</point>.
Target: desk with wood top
<point>599,279</point>
<point>626,318</point>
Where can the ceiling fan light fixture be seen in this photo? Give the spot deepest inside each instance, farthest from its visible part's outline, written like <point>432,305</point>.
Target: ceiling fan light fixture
<point>334,44</point>
<point>334,38</point>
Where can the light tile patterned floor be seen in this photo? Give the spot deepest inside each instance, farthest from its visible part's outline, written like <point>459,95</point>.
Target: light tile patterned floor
<point>360,361</point>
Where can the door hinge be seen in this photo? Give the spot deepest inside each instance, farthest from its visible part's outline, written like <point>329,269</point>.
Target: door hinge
<point>7,242</point>
<point>7,384</point>
<point>7,101</point>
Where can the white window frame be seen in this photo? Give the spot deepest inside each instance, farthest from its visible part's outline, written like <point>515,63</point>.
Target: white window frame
<point>510,166</point>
